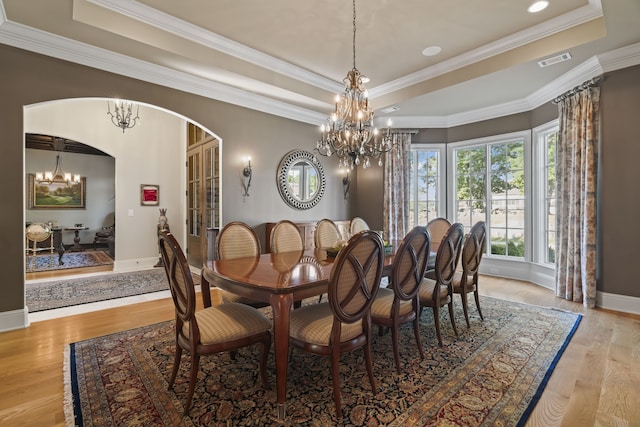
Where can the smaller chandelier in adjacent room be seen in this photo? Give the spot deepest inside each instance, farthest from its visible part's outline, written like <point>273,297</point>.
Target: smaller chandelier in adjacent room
<point>349,133</point>
<point>58,175</point>
<point>122,114</point>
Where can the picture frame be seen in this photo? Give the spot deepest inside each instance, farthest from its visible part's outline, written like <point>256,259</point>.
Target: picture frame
<point>149,195</point>
<point>57,194</point>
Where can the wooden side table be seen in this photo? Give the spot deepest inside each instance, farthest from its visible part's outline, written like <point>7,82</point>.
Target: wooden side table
<point>76,240</point>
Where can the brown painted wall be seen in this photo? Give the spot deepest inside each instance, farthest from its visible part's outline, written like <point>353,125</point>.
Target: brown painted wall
<point>620,176</point>
<point>27,78</point>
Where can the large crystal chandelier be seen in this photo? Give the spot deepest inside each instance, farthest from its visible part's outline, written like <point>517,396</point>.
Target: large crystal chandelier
<point>349,133</point>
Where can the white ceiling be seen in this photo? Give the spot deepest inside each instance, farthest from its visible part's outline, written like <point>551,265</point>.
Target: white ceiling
<point>289,57</point>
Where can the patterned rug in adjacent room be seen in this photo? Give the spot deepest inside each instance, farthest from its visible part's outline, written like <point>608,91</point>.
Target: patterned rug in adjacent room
<point>50,262</point>
<point>59,293</point>
<point>492,375</point>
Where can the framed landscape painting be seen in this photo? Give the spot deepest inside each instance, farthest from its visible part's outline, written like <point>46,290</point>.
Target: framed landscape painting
<point>57,195</point>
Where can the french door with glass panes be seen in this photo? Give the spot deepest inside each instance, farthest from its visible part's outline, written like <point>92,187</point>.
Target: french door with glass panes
<point>203,190</point>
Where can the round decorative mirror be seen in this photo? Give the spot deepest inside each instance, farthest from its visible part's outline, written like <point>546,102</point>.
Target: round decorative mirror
<point>301,180</point>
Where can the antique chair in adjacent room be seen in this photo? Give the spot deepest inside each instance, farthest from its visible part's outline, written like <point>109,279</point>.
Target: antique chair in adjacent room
<point>438,292</point>
<point>237,240</point>
<point>466,281</point>
<point>399,303</point>
<point>224,327</point>
<point>343,324</point>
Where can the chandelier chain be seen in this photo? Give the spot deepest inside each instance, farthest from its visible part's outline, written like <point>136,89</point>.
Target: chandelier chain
<point>354,34</point>
<point>349,131</point>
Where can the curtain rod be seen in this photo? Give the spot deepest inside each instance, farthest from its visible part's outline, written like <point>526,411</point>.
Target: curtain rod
<point>586,85</point>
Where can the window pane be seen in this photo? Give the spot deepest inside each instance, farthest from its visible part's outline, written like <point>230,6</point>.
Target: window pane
<point>423,181</point>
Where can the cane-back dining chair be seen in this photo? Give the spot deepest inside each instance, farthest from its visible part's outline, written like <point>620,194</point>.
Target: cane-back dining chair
<point>238,240</point>
<point>400,304</point>
<point>438,292</point>
<point>357,225</point>
<point>437,227</point>
<point>286,237</point>
<point>466,281</point>
<point>326,234</point>
<point>343,323</point>
<point>224,327</point>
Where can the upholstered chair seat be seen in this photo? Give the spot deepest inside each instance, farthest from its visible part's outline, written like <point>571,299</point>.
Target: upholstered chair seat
<point>229,322</point>
<point>313,324</point>
<point>383,303</point>
<point>458,285</point>
<point>427,292</point>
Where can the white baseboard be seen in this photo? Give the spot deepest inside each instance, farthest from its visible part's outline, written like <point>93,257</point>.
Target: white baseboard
<point>15,319</point>
<point>624,303</point>
<point>129,265</point>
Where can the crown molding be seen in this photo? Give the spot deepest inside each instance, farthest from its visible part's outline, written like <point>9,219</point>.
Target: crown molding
<point>27,38</point>
<point>34,40</point>
<point>193,33</point>
<point>571,19</point>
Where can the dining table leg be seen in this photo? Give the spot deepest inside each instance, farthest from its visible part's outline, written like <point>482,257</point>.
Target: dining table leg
<point>281,306</point>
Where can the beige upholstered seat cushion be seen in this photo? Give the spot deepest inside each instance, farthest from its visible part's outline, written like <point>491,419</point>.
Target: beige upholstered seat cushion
<point>231,297</point>
<point>313,324</point>
<point>426,290</point>
<point>457,285</point>
<point>381,306</point>
<point>227,322</point>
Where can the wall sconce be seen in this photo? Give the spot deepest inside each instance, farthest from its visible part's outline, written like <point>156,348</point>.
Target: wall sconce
<point>246,177</point>
<point>346,183</point>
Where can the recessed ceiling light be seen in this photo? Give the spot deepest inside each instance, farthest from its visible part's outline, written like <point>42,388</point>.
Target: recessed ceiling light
<point>538,6</point>
<point>432,50</point>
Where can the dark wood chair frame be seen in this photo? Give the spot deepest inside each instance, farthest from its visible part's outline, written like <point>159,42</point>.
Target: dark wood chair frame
<point>184,299</point>
<point>472,252</point>
<point>339,298</point>
<point>446,262</point>
<point>405,282</point>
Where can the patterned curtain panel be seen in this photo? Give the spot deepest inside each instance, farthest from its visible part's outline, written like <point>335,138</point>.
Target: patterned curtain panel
<point>396,189</point>
<point>577,160</point>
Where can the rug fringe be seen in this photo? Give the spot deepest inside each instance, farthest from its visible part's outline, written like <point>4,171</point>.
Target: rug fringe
<point>68,395</point>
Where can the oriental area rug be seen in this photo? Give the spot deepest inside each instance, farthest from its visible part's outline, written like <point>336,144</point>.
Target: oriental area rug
<point>50,262</point>
<point>493,374</point>
<point>60,293</point>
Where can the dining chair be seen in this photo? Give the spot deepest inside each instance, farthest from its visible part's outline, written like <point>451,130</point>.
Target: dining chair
<point>438,228</point>
<point>238,240</point>
<point>343,324</point>
<point>357,225</point>
<point>326,234</point>
<point>466,281</point>
<point>438,292</point>
<point>224,327</point>
<point>285,237</point>
<point>400,304</point>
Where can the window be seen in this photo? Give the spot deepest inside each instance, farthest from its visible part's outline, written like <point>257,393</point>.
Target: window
<point>545,140</point>
<point>489,185</point>
<point>426,198</point>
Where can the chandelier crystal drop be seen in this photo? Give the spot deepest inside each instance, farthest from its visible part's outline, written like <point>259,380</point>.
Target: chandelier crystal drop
<point>122,114</point>
<point>349,133</point>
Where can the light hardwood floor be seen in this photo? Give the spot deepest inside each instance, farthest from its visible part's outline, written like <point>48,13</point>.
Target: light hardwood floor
<point>596,383</point>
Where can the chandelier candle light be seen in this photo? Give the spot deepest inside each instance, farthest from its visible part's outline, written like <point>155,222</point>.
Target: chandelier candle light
<point>121,116</point>
<point>349,133</point>
<point>58,175</point>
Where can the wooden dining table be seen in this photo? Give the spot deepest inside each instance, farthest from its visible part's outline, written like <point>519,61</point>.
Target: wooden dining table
<point>278,280</point>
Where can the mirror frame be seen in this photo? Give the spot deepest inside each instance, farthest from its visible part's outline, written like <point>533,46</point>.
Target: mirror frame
<point>290,159</point>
